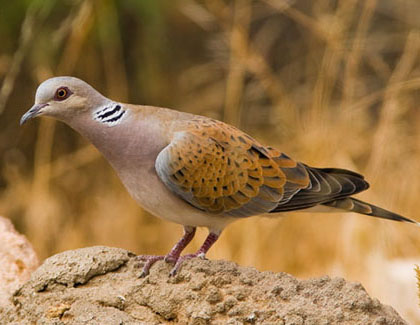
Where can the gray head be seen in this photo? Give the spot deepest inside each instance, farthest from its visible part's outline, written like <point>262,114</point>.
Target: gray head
<point>64,98</point>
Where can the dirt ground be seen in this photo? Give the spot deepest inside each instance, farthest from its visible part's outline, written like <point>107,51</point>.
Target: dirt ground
<point>100,285</point>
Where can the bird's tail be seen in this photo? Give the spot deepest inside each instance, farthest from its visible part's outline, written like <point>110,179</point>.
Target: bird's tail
<point>355,205</point>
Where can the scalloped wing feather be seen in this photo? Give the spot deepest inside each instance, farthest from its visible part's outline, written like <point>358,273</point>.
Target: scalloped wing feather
<point>221,170</point>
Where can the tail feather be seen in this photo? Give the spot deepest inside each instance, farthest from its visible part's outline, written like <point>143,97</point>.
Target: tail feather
<point>333,187</point>
<point>355,205</point>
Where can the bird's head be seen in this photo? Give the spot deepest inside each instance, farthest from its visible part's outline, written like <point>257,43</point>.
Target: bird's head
<point>63,98</point>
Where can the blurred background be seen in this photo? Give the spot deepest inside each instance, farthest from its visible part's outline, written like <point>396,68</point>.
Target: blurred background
<point>331,83</point>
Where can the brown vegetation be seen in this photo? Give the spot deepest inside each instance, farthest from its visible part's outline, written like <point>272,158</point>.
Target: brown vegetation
<point>331,83</point>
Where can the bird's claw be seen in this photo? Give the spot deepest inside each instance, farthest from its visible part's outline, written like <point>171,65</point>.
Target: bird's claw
<point>149,261</point>
<point>152,259</point>
<point>182,259</point>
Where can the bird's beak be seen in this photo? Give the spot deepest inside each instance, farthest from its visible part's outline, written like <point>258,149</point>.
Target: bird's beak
<point>33,112</point>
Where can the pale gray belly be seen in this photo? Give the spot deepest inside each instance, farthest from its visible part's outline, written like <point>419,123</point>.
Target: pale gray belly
<point>151,193</point>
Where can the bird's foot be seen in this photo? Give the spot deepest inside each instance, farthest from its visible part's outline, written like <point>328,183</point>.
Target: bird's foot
<point>174,255</point>
<point>182,259</point>
<point>149,260</point>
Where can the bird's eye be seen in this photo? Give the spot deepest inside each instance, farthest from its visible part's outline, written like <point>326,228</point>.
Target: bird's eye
<point>62,93</point>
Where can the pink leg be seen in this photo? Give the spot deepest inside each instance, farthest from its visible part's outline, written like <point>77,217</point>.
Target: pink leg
<point>172,256</point>
<point>210,240</point>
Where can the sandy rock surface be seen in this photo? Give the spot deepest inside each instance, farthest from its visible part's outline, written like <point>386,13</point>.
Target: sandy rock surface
<point>17,260</point>
<point>99,285</point>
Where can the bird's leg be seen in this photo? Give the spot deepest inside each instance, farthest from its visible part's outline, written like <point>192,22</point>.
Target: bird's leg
<point>172,256</point>
<point>176,251</point>
<point>210,240</point>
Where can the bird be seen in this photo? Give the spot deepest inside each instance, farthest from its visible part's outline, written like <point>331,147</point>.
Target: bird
<point>194,170</point>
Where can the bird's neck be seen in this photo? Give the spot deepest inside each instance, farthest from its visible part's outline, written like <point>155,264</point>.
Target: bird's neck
<point>134,142</point>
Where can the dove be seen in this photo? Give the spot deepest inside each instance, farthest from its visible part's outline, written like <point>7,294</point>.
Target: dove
<point>193,170</point>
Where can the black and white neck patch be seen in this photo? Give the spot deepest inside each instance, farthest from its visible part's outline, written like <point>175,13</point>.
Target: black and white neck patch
<point>110,115</point>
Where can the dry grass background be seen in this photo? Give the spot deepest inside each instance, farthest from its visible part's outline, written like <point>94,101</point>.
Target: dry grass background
<point>331,83</point>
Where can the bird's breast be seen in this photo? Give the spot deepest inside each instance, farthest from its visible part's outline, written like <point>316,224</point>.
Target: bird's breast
<point>151,193</point>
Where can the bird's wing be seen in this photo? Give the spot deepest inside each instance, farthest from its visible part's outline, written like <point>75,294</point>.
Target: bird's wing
<point>219,169</point>
<point>326,185</point>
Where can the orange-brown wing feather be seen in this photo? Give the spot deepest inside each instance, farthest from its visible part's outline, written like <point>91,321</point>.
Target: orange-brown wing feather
<point>297,176</point>
<point>219,169</point>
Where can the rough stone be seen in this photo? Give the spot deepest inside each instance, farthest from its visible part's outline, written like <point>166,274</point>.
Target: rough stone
<point>17,259</point>
<point>100,285</point>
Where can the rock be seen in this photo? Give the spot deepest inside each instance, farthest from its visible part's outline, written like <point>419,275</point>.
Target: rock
<point>100,285</point>
<point>17,259</point>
